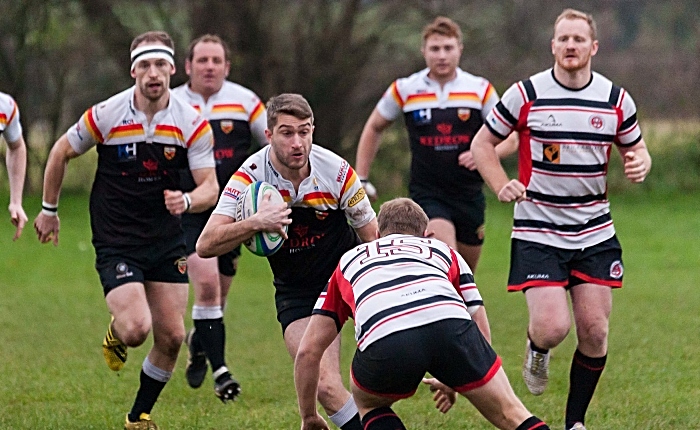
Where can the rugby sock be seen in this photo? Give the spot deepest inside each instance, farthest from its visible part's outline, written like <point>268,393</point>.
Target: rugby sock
<point>583,379</point>
<point>533,423</point>
<point>347,418</point>
<point>535,347</point>
<point>382,419</point>
<point>153,380</point>
<point>211,335</point>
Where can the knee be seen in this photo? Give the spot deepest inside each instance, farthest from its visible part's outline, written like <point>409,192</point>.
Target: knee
<point>207,291</point>
<point>329,386</point>
<point>550,334</point>
<point>170,342</point>
<point>134,332</point>
<point>593,335</point>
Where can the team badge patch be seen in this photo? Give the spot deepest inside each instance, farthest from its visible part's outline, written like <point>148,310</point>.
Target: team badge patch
<point>169,152</point>
<point>463,114</point>
<point>616,269</point>
<point>122,270</point>
<point>226,126</point>
<point>596,122</point>
<point>181,264</point>
<point>550,152</point>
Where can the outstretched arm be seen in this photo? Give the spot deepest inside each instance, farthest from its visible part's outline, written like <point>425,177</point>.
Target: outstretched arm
<point>16,161</point>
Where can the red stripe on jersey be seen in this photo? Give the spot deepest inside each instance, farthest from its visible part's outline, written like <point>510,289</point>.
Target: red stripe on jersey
<point>92,126</point>
<point>569,109</point>
<point>453,272</point>
<point>197,133</point>
<point>3,118</point>
<point>483,381</point>
<point>488,93</point>
<point>170,129</point>
<point>397,96</point>
<point>503,120</point>
<point>522,93</point>
<point>538,283</point>
<point>622,97</point>
<point>243,177</point>
<point>257,111</point>
<point>563,234</point>
<point>350,179</point>
<point>568,206</point>
<point>524,150</point>
<point>597,281</point>
<point>568,175</point>
<point>14,112</point>
<point>318,195</point>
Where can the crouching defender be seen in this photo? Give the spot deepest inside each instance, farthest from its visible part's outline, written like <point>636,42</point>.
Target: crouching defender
<point>416,310</point>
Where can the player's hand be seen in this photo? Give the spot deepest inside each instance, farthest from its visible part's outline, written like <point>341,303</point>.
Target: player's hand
<point>444,396</point>
<point>512,191</point>
<point>18,219</point>
<point>466,159</point>
<point>175,202</point>
<point>635,167</point>
<point>314,423</point>
<point>47,228</point>
<point>369,189</point>
<point>273,217</point>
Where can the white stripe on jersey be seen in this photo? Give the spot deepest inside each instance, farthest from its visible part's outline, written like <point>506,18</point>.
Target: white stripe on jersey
<point>399,282</point>
<point>565,141</point>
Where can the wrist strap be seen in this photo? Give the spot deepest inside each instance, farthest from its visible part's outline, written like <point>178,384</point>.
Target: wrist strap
<point>188,201</point>
<point>49,209</point>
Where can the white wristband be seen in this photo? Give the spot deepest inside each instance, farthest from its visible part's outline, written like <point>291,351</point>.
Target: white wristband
<point>49,213</point>
<point>188,201</point>
<point>49,209</point>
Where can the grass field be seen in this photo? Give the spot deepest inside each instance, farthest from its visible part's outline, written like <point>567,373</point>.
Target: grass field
<point>53,318</point>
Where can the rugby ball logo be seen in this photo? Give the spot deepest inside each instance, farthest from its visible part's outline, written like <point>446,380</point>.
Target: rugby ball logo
<point>262,243</point>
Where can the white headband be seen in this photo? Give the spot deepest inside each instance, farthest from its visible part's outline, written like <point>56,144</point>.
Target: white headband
<point>149,52</point>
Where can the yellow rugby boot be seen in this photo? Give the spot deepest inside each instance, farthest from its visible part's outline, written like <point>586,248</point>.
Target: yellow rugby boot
<point>114,351</point>
<point>144,423</point>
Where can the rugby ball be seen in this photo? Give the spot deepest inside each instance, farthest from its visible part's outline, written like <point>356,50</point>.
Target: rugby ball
<point>262,243</point>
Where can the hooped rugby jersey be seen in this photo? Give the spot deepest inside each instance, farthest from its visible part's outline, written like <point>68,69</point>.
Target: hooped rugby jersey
<point>565,140</point>
<point>396,283</point>
<point>441,122</point>
<point>10,126</point>
<point>137,161</point>
<point>236,116</point>
<point>329,203</point>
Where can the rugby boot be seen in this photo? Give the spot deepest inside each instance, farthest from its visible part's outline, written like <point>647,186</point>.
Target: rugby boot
<point>144,423</point>
<point>113,350</point>
<point>578,426</point>
<point>227,389</point>
<point>196,368</point>
<point>535,370</point>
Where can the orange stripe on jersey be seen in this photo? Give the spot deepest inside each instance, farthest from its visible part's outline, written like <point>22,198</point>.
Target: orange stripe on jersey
<point>242,177</point>
<point>286,195</point>
<point>350,179</point>
<point>417,98</point>
<point>3,119</point>
<point>169,131</point>
<point>489,92</point>
<point>203,128</point>
<point>92,126</point>
<point>395,92</point>
<point>197,108</point>
<point>125,131</point>
<point>464,96</point>
<point>257,111</point>
<point>228,107</point>
<point>319,198</point>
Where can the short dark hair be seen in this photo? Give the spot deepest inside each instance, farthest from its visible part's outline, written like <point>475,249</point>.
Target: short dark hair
<point>153,36</point>
<point>401,216</point>
<point>209,38</point>
<point>289,104</point>
<point>443,26</point>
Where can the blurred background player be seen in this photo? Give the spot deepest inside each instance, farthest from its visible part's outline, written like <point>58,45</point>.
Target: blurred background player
<point>416,309</point>
<point>327,213</point>
<point>563,239</point>
<point>15,159</point>
<point>443,107</point>
<point>144,139</point>
<point>237,117</point>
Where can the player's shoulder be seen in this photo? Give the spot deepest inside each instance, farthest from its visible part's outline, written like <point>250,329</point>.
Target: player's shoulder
<point>469,79</point>
<point>258,164</point>
<point>114,109</point>
<point>183,112</point>
<point>414,82</point>
<point>235,90</point>
<point>7,102</point>
<point>326,160</point>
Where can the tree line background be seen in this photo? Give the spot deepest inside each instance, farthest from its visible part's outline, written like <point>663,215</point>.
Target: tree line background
<point>58,57</point>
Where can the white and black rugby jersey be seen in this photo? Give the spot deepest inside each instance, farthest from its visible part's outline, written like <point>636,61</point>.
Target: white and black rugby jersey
<point>136,162</point>
<point>565,140</point>
<point>329,203</point>
<point>10,126</point>
<point>396,283</point>
<point>441,122</point>
<point>236,116</point>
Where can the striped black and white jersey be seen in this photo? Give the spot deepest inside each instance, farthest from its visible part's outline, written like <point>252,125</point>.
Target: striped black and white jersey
<point>396,283</point>
<point>566,137</point>
<point>10,126</point>
<point>441,122</point>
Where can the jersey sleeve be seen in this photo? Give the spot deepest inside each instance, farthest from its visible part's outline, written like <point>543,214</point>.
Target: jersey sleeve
<point>390,106</point>
<point>200,146</point>
<point>9,119</point>
<point>89,130</point>
<point>503,118</point>
<point>463,280</point>
<point>489,100</point>
<point>331,303</point>
<point>239,181</point>
<point>629,133</point>
<point>257,119</point>
<point>353,198</point>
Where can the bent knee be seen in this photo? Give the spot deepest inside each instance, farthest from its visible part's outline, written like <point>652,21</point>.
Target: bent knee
<point>134,332</point>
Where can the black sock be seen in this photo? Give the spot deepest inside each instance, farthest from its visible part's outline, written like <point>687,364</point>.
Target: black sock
<point>382,419</point>
<point>533,423</point>
<point>353,424</point>
<point>146,397</point>
<point>583,378</point>
<point>211,336</point>
<point>535,347</point>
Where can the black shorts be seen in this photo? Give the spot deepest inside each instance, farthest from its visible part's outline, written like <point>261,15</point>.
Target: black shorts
<point>536,265</point>
<point>162,261</point>
<point>466,213</point>
<point>452,350</point>
<point>295,305</point>
<point>193,224</point>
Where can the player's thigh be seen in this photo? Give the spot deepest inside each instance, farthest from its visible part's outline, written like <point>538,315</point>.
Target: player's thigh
<point>497,402</point>
<point>128,304</point>
<point>168,303</point>
<point>293,334</point>
<point>470,253</point>
<point>548,308</point>
<point>443,229</point>
<point>366,401</point>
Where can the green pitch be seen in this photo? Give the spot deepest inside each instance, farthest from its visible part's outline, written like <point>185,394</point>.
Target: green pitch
<point>53,319</point>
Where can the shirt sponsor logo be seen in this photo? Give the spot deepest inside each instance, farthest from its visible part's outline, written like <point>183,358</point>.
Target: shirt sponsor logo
<point>551,153</point>
<point>342,172</point>
<point>444,128</point>
<point>223,153</point>
<point>538,276</point>
<point>226,126</point>
<point>357,198</point>
<point>126,152</point>
<point>232,192</point>
<point>422,116</point>
<point>127,122</point>
<point>551,122</point>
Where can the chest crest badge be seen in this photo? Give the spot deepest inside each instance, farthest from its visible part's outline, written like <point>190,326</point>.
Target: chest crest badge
<point>463,114</point>
<point>226,126</point>
<point>169,152</point>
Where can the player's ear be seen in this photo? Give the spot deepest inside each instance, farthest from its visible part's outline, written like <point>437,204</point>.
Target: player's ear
<point>376,234</point>
<point>428,233</point>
